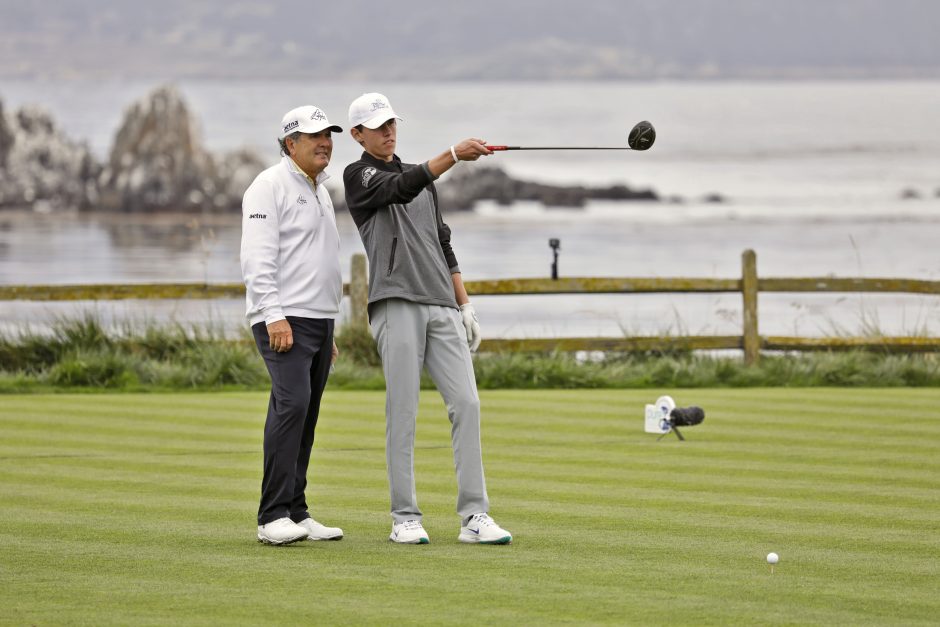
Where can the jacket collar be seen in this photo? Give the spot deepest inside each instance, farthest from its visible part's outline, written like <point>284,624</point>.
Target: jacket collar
<point>293,167</point>
<point>394,165</point>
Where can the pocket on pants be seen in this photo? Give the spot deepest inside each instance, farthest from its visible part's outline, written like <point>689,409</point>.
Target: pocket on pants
<point>377,318</point>
<point>457,318</point>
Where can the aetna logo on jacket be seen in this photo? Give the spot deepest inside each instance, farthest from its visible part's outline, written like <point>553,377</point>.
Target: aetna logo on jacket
<point>258,216</point>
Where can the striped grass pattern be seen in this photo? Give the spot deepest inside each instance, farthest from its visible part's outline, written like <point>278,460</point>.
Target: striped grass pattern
<point>139,509</point>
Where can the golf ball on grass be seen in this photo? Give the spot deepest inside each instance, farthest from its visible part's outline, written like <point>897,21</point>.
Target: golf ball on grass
<point>772,558</point>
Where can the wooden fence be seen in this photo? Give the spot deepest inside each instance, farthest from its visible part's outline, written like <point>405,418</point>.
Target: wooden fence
<point>748,285</point>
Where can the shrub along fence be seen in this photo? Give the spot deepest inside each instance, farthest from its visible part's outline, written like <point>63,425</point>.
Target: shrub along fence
<point>749,285</point>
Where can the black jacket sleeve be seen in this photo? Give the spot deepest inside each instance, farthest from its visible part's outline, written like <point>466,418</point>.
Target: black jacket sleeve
<point>443,235</point>
<point>368,188</point>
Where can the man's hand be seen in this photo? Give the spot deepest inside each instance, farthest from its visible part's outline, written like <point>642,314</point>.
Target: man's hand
<point>471,149</point>
<point>468,150</point>
<point>472,325</point>
<point>280,336</point>
<point>334,354</point>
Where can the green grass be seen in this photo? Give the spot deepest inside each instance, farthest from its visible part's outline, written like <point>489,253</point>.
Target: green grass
<point>139,509</point>
<point>81,355</point>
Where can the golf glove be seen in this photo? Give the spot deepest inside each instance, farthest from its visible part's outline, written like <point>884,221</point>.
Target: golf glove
<point>472,325</point>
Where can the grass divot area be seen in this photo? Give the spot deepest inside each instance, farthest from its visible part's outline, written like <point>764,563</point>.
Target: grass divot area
<point>139,509</point>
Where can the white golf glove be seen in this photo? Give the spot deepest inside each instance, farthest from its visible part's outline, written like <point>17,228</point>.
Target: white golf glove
<point>472,325</point>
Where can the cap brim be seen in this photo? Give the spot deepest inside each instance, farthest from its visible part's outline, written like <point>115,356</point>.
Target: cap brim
<point>380,119</point>
<point>313,129</point>
<point>320,129</point>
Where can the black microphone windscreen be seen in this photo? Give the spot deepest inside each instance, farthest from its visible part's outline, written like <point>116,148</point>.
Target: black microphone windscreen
<point>686,416</point>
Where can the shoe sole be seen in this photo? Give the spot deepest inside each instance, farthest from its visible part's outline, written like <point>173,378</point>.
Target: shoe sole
<point>477,540</point>
<point>271,542</point>
<point>418,541</point>
<point>329,538</point>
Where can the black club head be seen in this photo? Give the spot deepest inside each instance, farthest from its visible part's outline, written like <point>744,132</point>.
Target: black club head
<point>642,136</point>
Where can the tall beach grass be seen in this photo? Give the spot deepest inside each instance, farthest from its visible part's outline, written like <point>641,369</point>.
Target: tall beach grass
<point>81,353</point>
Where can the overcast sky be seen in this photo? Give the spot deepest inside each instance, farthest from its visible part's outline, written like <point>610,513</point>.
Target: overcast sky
<point>481,39</point>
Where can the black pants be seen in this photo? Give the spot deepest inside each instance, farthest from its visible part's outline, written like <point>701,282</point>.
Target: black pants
<point>297,381</point>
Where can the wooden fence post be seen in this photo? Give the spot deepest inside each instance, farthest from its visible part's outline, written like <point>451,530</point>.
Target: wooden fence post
<point>749,293</point>
<point>359,291</point>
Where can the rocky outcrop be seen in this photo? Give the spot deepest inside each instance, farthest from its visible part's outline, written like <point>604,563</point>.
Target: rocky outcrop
<point>158,163</point>
<point>6,139</point>
<point>466,186</point>
<point>238,169</point>
<point>463,188</point>
<point>40,167</point>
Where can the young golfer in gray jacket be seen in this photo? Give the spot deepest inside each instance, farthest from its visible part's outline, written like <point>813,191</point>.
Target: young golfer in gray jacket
<point>419,312</point>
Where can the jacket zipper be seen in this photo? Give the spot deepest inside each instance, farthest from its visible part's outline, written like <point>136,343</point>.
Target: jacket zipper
<point>391,258</point>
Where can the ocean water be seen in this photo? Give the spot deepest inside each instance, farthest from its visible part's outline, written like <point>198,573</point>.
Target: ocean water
<point>819,178</point>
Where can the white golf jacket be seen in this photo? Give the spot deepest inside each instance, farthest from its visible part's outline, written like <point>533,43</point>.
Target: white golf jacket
<point>289,247</point>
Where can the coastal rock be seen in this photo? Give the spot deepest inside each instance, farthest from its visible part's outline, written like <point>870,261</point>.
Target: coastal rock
<point>40,167</point>
<point>465,186</point>
<point>158,163</point>
<point>6,138</point>
<point>238,169</point>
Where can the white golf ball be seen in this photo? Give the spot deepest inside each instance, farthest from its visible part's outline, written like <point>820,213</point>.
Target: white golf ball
<point>772,558</point>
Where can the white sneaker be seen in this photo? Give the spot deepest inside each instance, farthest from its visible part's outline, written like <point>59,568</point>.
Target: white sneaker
<point>483,530</point>
<point>409,532</point>
<point>281,531</point>
<point>316,531</point>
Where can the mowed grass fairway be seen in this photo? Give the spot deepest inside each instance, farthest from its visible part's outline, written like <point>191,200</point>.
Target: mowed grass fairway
<point>139,509</point>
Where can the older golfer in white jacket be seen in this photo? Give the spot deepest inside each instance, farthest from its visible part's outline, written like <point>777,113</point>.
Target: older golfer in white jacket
<point>290,264</point>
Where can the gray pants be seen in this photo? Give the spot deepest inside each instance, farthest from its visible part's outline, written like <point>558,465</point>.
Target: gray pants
<point>410,336</point>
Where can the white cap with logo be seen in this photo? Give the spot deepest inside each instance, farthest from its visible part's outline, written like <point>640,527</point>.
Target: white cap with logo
<point>306,119</point>
<point>372,110</point>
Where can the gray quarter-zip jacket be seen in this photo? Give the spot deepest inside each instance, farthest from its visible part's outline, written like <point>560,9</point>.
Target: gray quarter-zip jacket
<point>394,206</point>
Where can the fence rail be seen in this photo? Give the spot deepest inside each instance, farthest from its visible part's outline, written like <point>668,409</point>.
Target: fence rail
<point>749,286</point>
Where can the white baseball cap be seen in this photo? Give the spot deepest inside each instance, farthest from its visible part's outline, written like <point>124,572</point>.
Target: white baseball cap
<point>306,119</point>
<point>372,110</point>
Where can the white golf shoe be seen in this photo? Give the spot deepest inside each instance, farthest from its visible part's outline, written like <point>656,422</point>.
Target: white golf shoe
<point>481,529</point>
<point>316,531</point>
<point>409,532</point>
<point>281,531</point>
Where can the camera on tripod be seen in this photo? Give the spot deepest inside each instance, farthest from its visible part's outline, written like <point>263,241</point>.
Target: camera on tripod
<point>664,417</point>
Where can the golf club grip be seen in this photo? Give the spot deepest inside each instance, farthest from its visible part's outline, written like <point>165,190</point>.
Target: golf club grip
<point>499,148</point>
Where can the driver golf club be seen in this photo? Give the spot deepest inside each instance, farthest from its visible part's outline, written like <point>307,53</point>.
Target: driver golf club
<point>641,137</point>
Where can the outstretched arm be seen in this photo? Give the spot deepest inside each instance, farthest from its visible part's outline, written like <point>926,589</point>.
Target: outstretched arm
<point>467,150</point>
<point>368,188</point>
